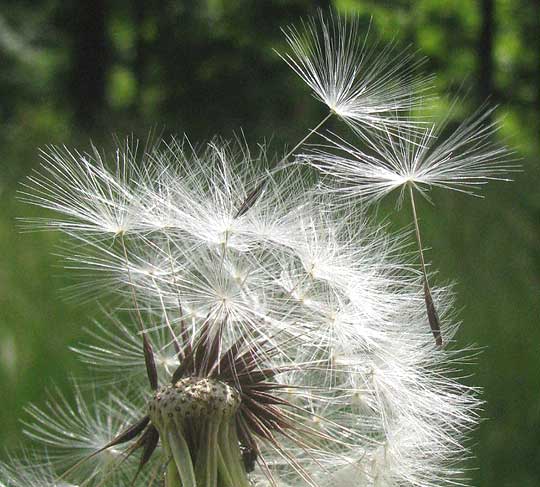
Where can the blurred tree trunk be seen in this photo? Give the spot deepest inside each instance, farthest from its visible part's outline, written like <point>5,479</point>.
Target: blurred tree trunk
<point>139,67</point>
<point>485,49</point>
<point>90,60</point>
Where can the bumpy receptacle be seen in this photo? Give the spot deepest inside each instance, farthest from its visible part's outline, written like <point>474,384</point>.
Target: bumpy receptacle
<point>193,397</point>
<point>196,421</point>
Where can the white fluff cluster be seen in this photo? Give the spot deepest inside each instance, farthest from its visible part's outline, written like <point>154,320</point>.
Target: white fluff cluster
<point>363,82</point>
<point>324,298</point>
<point>463,161</point>
<point>332,292</point>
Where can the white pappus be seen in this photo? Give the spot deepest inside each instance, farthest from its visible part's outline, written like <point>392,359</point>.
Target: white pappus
<point>269,337</point>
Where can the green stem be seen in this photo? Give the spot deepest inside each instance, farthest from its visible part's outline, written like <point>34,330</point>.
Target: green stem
<point>232,459</point>
<point>207,456</point>
<point>224,473</point>
<point>218,461</point>
<point>171,477</point>
<point>182,458</point>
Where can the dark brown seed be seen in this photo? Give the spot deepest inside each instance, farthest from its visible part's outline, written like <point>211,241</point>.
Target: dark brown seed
<point>433,316</point>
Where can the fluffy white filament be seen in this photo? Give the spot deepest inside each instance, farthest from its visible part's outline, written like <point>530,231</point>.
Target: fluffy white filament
<point>302,276</point>
<point>316,279</point>
<point>463,160</point>
<point>359,80</point>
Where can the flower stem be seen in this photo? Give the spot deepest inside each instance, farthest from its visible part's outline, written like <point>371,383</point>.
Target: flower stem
<point>131,285</point>
<point>418,237</point>
<point>301,143</point>
<point>231,465</point>
<point>171,476</point>
<point>182,459</point>
<point>207,457</point>
<point>151,370</point>
<point>224,473</point>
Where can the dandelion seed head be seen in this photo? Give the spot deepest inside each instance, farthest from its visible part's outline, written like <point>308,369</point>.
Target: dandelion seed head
<point>283,342</point>
<point>318,295</point>
<point>354,77</point>
<point>462,161</point>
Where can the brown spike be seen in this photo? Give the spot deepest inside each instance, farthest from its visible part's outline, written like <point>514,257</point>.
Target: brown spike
<point>254,423</point>
<point>193,354</point>
<point>270,415</point>
<point>267,398</point>
<point>267,386</point>
<point>250,200</point>
<point>211,351</point>
<point>185,367</point>
<point>189,364</point>
<point>226,367</point>
<point>151,369</point>
<point>262,374</point>
<point>130,433</point>
<point>152,439</point>
<point>149,441</point>
<point>433,316</point>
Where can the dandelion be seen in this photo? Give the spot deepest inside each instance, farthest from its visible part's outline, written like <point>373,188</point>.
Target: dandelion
<point>73,430</point>
<point>417,161</point>
<point>85,192</point>
<point>272,337</point>
<point>362,84</point>
<point>462,161</point>
<point>281,347</point>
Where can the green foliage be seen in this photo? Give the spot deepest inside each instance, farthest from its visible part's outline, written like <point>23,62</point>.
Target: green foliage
<point>35,326</point>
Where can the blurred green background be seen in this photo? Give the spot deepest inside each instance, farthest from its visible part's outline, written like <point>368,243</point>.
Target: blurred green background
<point>76,71</point>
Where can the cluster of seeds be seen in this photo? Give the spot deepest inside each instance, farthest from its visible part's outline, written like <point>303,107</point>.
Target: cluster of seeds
<point>303,331</point>
<point>193,397</point>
